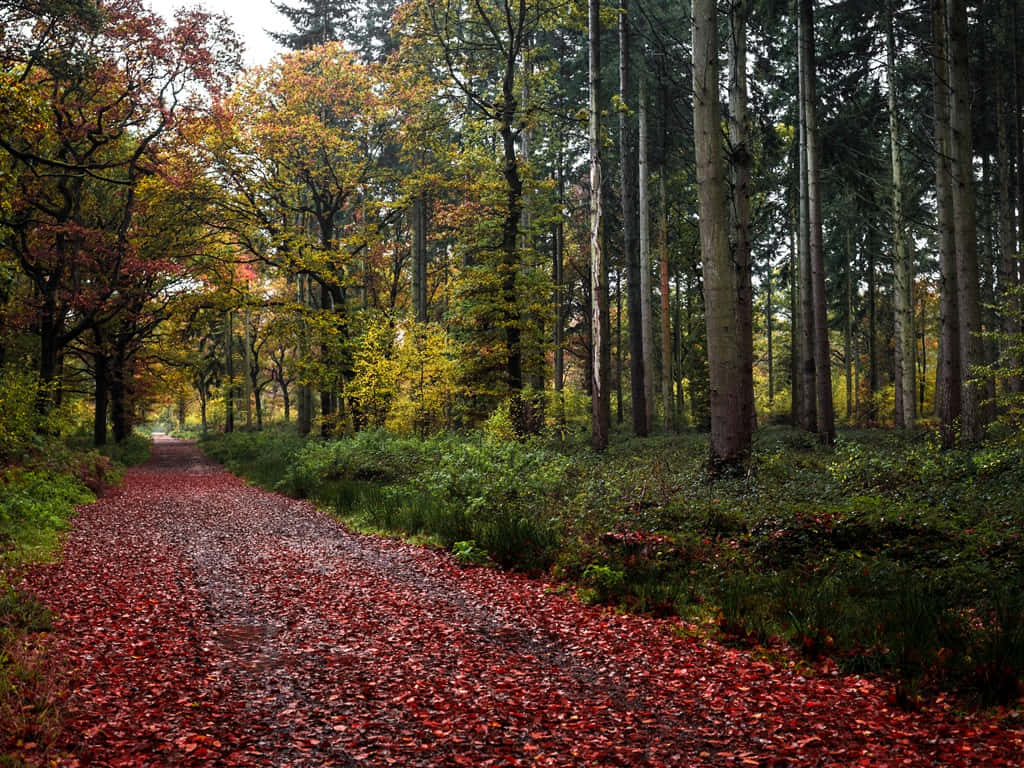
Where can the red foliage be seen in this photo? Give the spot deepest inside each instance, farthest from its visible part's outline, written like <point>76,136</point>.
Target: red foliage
<point>205,622</point>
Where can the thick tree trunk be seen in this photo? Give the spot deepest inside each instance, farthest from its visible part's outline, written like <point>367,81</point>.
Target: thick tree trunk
<point>631,246</point>
<point>102,398</point>
<point>730,433</point>
<point>903,268</point>
<point>519,413</point>
<point>120,415</point>
<point>645,254</point>
<point>741,160</point>
<point>965,225</point>
<point>826,427</point>
<point>947,385</point>
<point>599,324</point>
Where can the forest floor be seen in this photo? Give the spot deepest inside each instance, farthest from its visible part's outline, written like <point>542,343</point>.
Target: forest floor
<point>203,622</point>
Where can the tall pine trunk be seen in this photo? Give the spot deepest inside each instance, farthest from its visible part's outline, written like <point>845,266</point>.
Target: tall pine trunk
<point>947,385</point>
<point>965,225</point>
<point>903,269</point>
<point>666,333</point>
<point>826,427</point>
<point>808,411</point>
<point>644,204</point>
<point>741,160</point>
<point>631,244</point>
<point>730,435</point>
<point>1008,258</point>
<point>599,324</point>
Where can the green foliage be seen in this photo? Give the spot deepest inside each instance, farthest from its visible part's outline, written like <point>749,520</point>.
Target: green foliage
<point>131,452</point>
<point>606,582</point>
<point>260,457</point>
<point>35,506</point>
<point>18,391</point>
<point>468,553</point>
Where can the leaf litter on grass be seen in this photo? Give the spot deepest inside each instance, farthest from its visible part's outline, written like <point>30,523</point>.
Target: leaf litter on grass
<point>206,622</point>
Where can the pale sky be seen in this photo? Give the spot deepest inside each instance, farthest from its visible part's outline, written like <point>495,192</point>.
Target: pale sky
<point>249,17</point>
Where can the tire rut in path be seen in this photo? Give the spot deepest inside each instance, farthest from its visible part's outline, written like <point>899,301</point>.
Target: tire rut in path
<point>206,622</point>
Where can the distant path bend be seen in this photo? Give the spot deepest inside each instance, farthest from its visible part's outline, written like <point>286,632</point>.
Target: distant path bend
<point>204,622</point>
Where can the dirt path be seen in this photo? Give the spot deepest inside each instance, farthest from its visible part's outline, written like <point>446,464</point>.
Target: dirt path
<point>206,623</point>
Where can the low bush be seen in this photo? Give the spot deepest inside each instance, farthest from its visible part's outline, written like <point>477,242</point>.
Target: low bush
<point>34,508</point>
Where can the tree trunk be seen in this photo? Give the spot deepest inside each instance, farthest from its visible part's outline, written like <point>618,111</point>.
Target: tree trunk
<point>903,268</point>
<point>630,240</point>
<point>645,255</point>
<point>826,427</point>
<point>229,372</point>
<point>418,214</point>
<point>1008,259</point>
<point>848,329</point>
<point>666,318</point>
<point>741,161</point>
<point>250,384</point>
<point>795,325</point>
<point>730,434</point>
<point>599,325</point>
<point>947,385</point>
<point>120,417</point>
<point>102,397</point>
<point>872,406</point>
<point>965,225</point>
<point>618,347</point>
<point>808,410</point>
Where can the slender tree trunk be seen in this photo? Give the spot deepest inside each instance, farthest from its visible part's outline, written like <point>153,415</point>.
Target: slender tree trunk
<point>599,325</point>
<point>903,271</point>
<point>418,214</point>
<point>769,327</point>
<point>558,266</point>
<point>304,417</point>
<point>229,372</point>
<point>730,433</point>
<point>848,330</point>
<point>741,160</point>
<point>808,405</point>
<point>1008,258</point>
<point>618,347</point>
<point>250,387</point>
<point>872,406</point>
<point>795,325</point>
<point>826,427</point>
<point>645,254</point>
<point>631,245</point>
<point>947,385</point>
<point>666,332</point>
<point>965,225</point>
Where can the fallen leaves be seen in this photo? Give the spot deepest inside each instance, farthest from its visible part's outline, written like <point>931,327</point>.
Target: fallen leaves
<point>206,622</point>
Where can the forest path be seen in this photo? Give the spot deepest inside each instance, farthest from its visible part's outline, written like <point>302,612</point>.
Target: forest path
<point>204,622</point>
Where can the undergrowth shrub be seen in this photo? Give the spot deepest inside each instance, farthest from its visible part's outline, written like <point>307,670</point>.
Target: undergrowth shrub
<point>261,457</point>
<point>34,508</point>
